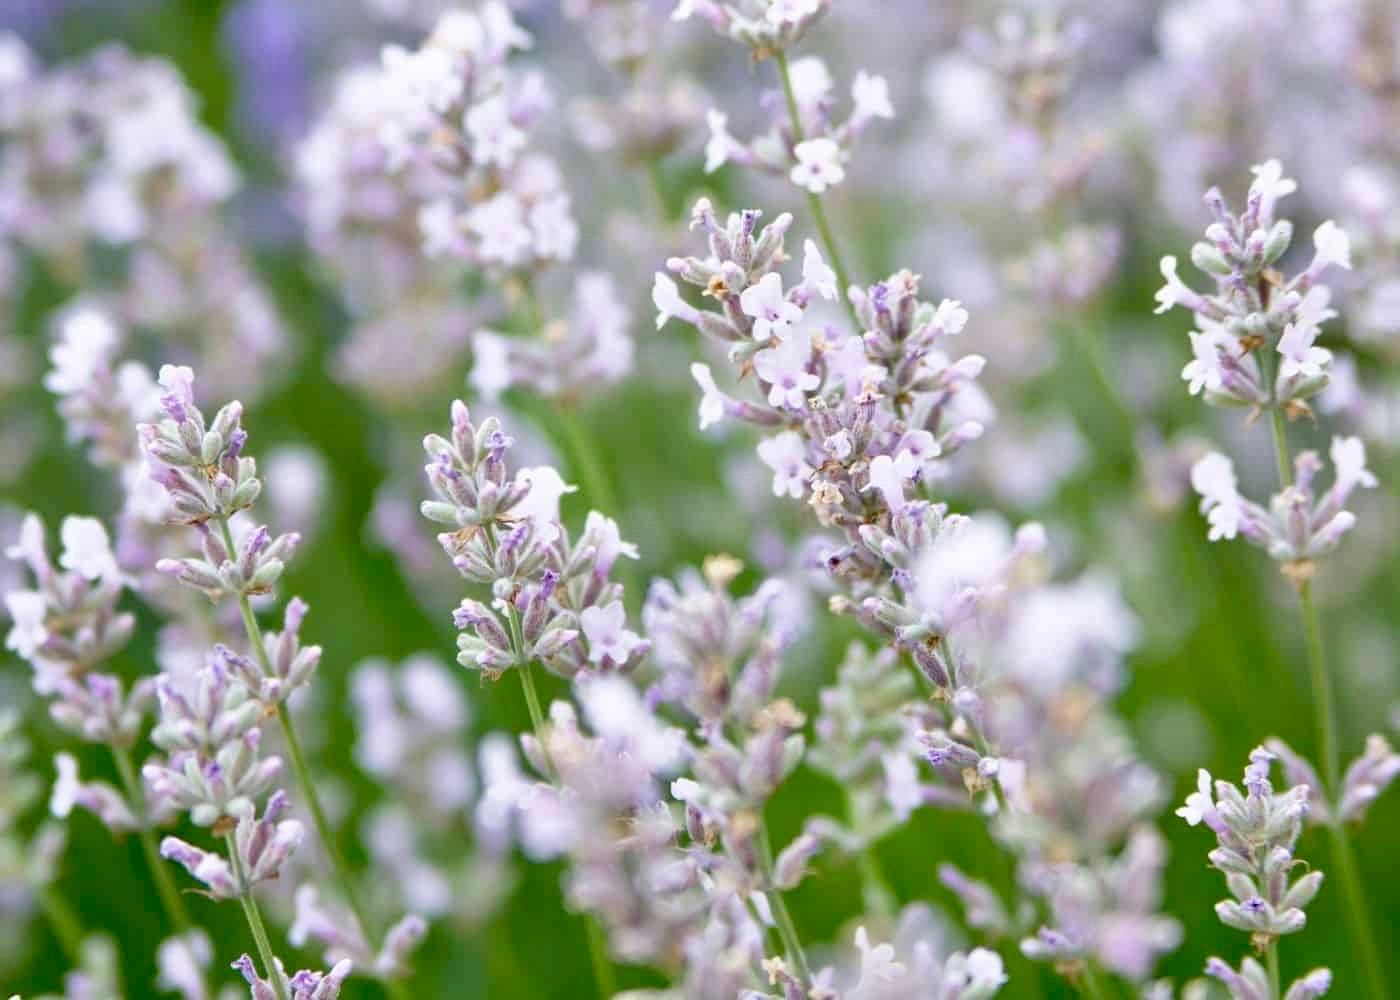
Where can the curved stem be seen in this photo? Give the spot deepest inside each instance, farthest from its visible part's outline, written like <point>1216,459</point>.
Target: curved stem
<point>787,930</point>
<point>1326,721</point>
<point>303,773</point>
<point>597,944</point>
<point>814,203</point>
<point>879,898</point>
<point>1322,690</point>
<point>1356,911</point>
<point>170,899</point>
<point>63,922</point>
<point>255,922</point>
<point>1089,983</point>
<point>598,955</point>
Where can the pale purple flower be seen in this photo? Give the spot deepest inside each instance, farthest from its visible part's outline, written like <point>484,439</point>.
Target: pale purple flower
<point>667,299</point>
<point>786,455</point>
<point>712,401</point>
<point>819,165</point>
<point>1213,477</point>
<point>773,314</point>
<point>817,274</point>
<point>784,367</point>
<point>607,634</point>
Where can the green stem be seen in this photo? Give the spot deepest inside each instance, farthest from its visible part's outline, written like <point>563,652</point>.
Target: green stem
<point>170,898</point>
<point>1089,983</point>
<point>828,239</point>
<point>1271,959</point>
<point>1322,690</point>
<point>255,921</point>
<point>63,922</point>
<point>1356,911</point>
<point>787,930</point>
<point>596,482</point>
<point>1326,721</point>
<point>598,955</point>
<point>597,946</point>
<point>1285,474</point>
<point>879,898</point>
<point>303,773</point>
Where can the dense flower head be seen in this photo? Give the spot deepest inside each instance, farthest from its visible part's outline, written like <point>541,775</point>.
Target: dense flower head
<point>764,27</point>
<point>1256,313</point>
<point>551,597</point>
<point>1299,525</point>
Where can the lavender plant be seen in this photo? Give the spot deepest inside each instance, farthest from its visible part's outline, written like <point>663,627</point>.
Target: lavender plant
<point>1255,348</point>
<point>919,650</point>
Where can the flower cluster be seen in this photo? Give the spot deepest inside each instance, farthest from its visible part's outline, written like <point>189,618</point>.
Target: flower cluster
<point>764,27</point>
<point>1256,313</point>
<point>551,599</point>
<point>1257,831</point>
<point>107,154</point>
<point>813,151</point>
<point>1298,525</point>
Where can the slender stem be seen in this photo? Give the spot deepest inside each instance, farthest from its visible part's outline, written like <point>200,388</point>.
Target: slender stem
<point>1089,983</point>
<point>255,921</point>
<point>1271,960</point>
<point>1322,689</point>
<point>532,702</point>
<point>1326,721</point>
<point>170,898</point>
<point>787,930</point>
<point>598,955</point>
<point>1285,474</point>
<point>304,781</point>
<point>63,922</point>
<point>1356,911</point>
<point>595,478</point>
<point>815,203</point>
<point>875,890</point>
<point>597,945</point>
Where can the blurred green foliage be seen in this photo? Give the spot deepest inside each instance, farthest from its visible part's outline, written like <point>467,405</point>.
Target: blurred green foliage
<point>1221,633</point>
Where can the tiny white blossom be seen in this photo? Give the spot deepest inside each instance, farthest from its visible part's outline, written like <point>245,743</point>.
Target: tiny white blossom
<point>86,548</point>
<point>1300,358</point>
<point>979,973</point>
<point>1332,247</point>
<point>553,226</point>
<point>491,372</point>
<point>784,367</point>
<point>786,455</point>
<point>818,165</point>
<point>27,612</point>
<point>1270,185</point>
<point>712,402</point>
<point>606,632</point>
<point>1201,802</point>
<point>667,299</point>
<point>721,146</point>
<point>494,137</point>
<point>1349,461</point>
<point>773,315</point>
<point>87,338</point>
<point>871,95</point>
<point>950,316</point>
<point>1175,292</point>
<point>1213,477</point>
<point>547,487</point>
<point>1204,370</point>
<point>781,12</point>
<point>889,474</point>
<point>817,274</point>
<point>66,786</point>
<point>500,227</point>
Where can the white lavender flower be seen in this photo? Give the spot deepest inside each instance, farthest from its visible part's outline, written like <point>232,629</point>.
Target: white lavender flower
<point>1257,831</point>
<point>553,600</point>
